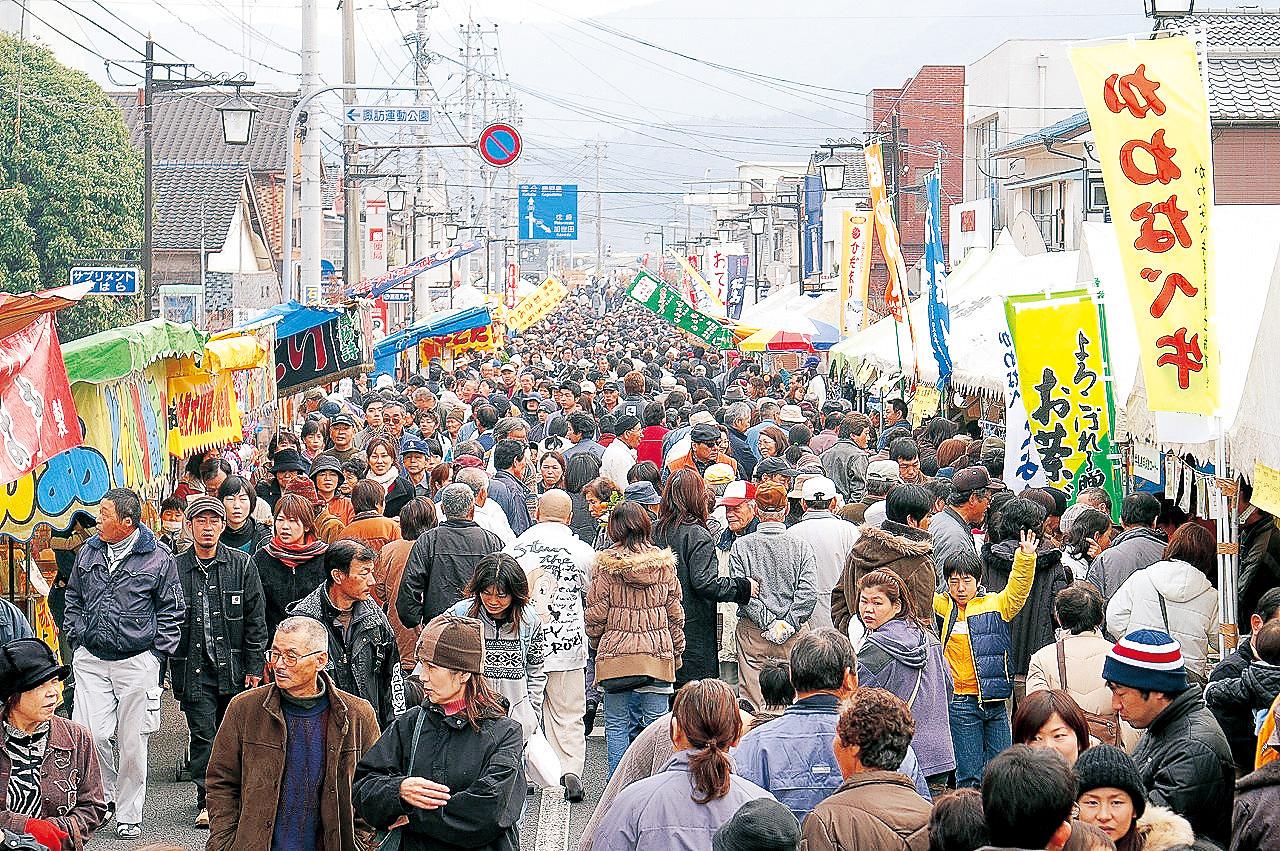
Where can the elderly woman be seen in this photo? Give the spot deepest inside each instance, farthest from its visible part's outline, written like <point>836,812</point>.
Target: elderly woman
<point>48,766</point>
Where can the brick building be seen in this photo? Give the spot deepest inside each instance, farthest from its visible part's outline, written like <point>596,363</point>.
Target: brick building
<point>927,110</point>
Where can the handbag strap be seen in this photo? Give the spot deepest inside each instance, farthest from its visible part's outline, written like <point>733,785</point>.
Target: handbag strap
<point>1164,611</point>
<point>417,734</point>
<point>1062,664</point>
<point>915,691</point>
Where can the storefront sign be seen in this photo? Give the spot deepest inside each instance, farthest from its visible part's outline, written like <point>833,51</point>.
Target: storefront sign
<point>855,267</point>
<point>203,412</point>
<point>482,339</point>
<point>319,355</point>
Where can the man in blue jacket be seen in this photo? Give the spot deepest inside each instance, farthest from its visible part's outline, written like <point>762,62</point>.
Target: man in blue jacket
<point>124,617</point>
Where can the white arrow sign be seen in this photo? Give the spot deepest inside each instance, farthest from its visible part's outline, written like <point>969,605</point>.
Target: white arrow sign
<point>388,115</point>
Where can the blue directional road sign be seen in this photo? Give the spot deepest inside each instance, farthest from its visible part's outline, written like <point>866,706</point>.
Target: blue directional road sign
<point>387,115</point>
<point>114,280</point>
<point>548,211</point>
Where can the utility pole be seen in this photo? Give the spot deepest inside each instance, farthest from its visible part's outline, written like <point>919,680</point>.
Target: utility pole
<point>311,172</point>
<point>469,131</point>
<point>148,204</point>
<point>421,78</point>
<point>352,241</point>
<point>599,152</point>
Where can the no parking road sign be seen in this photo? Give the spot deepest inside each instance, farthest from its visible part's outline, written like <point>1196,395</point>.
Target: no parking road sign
<point>499,145</point>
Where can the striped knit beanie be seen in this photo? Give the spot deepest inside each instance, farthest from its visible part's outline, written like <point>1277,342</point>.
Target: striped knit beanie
<point>1146,659</point>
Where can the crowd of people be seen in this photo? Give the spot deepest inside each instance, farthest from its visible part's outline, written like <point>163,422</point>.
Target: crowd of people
<point>797,623</point>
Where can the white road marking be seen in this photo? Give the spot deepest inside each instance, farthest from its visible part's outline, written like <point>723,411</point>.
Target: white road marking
<point>553,822</point>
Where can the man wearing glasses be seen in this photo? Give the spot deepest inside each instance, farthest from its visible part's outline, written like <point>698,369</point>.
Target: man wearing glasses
<point>283,759</point>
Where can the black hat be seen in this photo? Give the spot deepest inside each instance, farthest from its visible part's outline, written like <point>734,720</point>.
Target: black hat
<point>1108,767</point>
<point>759,825</point>
<point>774,466</point>
<point>326,464</point>
<point>26,663</point>
<point>704,433</point>
<point>288,459</point>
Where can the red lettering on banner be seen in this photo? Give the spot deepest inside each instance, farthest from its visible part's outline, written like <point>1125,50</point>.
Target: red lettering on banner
<point>1153,239</point>
<point>1162,154</point>
<point>1134,93</point>
<point>1186,356</point>
<point>1173,283</point>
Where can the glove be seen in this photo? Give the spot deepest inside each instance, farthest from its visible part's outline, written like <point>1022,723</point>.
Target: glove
<point>779,631</point>
<point>46,833</point>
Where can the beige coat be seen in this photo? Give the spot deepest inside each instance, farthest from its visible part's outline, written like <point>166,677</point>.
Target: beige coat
<point>634,618</point>
<point>1085,654</point>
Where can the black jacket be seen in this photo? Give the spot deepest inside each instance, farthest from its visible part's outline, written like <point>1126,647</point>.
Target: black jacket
<point>249,539</point>
<point>1031,628</point>
<point>483,769</point>
<point>398,495</point>
<point>440,565</point>
<point>1185,764</point>
<point>1259,563</point>
<point>740,449</point>
<point>581,522</point>
<point>701,587</point>
<point>283,586</point>
<point>1236,722</point>
<point>1255,823</point>
<point>237,621</point>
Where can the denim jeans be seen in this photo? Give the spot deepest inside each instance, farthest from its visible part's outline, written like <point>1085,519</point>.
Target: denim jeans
<point>979,731</point>
<point>626,713</point>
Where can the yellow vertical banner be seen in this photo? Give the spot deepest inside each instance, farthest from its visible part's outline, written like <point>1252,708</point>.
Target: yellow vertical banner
<point>855,264</point>
<point>887,232</point>
<point>1149,112</point>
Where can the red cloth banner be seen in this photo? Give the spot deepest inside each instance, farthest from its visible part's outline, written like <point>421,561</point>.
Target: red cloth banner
<point>37,416</point>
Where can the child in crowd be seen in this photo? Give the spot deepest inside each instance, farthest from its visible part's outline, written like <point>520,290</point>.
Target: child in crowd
<point>1257,686</point>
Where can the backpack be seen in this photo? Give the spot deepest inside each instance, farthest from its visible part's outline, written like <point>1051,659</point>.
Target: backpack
<point>1103,727</point>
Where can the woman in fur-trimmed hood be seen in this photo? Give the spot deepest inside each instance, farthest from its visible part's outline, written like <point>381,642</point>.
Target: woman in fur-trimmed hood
<point>1110,795</point>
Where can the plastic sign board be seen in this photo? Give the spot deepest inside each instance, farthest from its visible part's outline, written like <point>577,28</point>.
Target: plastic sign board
<point>499,145</point>
<point>548,211</point>
<point>387,115</point>
<point>112,280</point>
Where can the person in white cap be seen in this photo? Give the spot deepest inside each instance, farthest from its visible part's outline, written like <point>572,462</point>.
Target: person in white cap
<point>831,538</point>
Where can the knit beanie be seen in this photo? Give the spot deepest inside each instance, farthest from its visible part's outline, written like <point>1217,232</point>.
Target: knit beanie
<point>454,643</point>
<point>1146,659</point>
<point>759,825</point>
<point>1108,767</point>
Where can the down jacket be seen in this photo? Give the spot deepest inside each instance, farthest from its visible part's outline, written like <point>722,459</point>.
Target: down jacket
<point>1255,823</point>
<point>903,549</point>
<point>1238,725</point>
<point>634,619</point>
<point>440,565</point>
<point>1131,551</point>
<point>1031,628</point>
<point>1189,599</point>
<point>1185,764</point>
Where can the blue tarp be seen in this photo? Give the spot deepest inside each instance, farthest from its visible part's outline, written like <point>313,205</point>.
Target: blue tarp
<point>295,318</point>
<point>451,322</point>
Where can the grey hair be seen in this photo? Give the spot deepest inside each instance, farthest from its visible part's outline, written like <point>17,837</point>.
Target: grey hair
<point>457,500</point>
<point>503,428</point>
<point>737,412</point>
<point>473,477</point>
<point>313,632</point>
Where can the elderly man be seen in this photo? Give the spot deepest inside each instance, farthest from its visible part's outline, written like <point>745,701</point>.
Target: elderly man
<point>443,559</point>
<point>704,451</point>
<point>124,618</point>
<point>831,538</point>
<point>558,565</point>
<point>507,488</point>
<point>284,756</point>
<point>620,455</point>
<point>581,433</point>
<point>845,461</point>
<point>342,434</point>
<point>488,514</point>
<point>952,528</point>
<point>737,417</point>
<point>224,635</point>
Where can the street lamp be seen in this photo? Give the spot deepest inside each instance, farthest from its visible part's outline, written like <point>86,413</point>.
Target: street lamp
<point>238,115</point>
<point>451,231</point>
<point>1168,8</point>
<point>725,235</point>
<point>395,199</point>
<point>757,224</point>
<point>832,170</point>
<point>756,220</point>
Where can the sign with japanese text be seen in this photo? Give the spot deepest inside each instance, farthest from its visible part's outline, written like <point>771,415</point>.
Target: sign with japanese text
<point>320,355</point>
<point>1061,377</point>
<point>887,232</point>
<point>1149,113</point>
<point>548,211</point>
<point>537,304</point>
<point>115,280</point>
<point>482,339</point>
<point>702,296</point>
<point>1022,468</point>
<point>373,258</point>
<point>935,262</point>
<point>855,266</point>
<point>382,284</point>
<point>662,298</point>
<point>37,415</point>
<point>203,412</point>
<point>739,268</point>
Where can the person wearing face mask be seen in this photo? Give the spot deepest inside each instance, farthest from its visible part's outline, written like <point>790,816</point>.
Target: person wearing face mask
<point>172,511</point>
<point>242,531</point>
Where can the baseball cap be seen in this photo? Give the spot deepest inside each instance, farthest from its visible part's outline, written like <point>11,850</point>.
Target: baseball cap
<point>776,467</point>
<point>771,497</point>
<point>201,504</point>
<point>719,474</point>
<point>413,444</point>
<point>736,493</point>
<point>818,488</point>
<point>886,471</point>
<point>971,479</point>
<point>342,419</point>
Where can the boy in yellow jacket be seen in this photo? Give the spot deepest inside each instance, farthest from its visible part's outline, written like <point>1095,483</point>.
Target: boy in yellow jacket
<point>976,642</point>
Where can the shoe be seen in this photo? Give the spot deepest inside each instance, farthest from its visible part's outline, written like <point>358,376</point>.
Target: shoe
<point>202,820</point>
<point>111,812</point>
<point>589,717</point>
<point>128,831</point>
<point>573,791</point>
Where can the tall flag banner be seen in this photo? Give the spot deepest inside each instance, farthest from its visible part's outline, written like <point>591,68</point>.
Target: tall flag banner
<point>1149,112</point>
<point>663,299</point>
<point>936,267</point>
<point>887,232</point>
<point>739,268</point>
<point>37,413</point>
<point>855,265</point>
<point>536,305</point>
<point>707,301</point>
<point>1062,367</point>
<point>1022,468</point>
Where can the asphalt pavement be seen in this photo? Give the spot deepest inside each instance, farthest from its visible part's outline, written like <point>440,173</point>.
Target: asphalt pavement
<point>170,810</point>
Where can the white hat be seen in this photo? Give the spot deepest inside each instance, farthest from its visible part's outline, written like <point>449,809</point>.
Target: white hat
<point>587,387</point>
<point>792,414</point>
<point>818,488</point>
<point>700,417</point>
<point>384,382</point>
<point>668,382</point>
<point>885,469</point>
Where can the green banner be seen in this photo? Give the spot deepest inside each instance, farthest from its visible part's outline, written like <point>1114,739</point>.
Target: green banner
<point>663,299</point>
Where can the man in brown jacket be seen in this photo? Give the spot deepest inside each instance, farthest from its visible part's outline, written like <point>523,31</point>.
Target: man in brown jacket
<point>876,806</point>
<point>283,759</point>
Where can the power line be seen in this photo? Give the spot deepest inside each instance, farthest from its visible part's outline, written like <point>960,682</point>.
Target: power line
<point>109,62</point>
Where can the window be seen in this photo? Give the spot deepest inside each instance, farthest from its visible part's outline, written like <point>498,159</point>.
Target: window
<point>987,141</point>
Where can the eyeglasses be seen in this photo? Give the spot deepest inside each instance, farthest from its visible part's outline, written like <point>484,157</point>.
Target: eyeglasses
<point>289,658</point>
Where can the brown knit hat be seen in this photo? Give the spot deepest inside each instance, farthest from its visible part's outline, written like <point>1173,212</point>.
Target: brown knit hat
<point>454,643</point>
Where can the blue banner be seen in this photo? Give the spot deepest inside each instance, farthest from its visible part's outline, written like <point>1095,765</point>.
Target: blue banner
<point>935,262</point>
<point>374,287</point>
<point>736,290</point>
<point>812,225</point>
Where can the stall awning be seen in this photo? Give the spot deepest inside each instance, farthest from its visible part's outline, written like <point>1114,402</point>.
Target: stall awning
<point>438,325</point>
<point>294,318</point>
<point>18,310</point>
<point>116,353</point>
<point>227,353</point>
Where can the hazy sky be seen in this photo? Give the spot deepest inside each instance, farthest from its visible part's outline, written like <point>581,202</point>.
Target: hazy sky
<point>663,118</point>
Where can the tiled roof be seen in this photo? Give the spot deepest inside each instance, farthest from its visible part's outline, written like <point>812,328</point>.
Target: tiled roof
<point>1066,128</point>
<point>1231,29</point>
<point>1245,89</point>
<point>195,199</point>
<point>188,127</point>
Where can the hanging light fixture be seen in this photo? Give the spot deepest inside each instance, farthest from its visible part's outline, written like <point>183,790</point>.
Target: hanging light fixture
<point>238,116</point>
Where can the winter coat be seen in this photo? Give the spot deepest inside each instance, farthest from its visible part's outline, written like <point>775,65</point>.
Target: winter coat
<point>650,448</point>
<point>1131,551</point>
<point>905,550</point>
<point>1259,563</point>
<point>388,570</point>
<point>558,566</point>
<point>136,608</point>
<point>785,569</point>
<point>483,768</point>
<point>845,463</point>
<point>399,492</point>
<point>1255,821</point>
<point>634,619</point>
<point>512,497</point>
<point>13,623</point>
<point>282,586</point>
<point>832,538</point>
<point>248,764</point>
<point>1032,628</point>
<point>645,757</point>
<point>581,521</point>
<point>71,793</point>
<point>249,539</point>
<point>372,529</point>
<point>1236,721</point>
<point>659,812</point>
<point>1253,691</point>
<point>1185,764</point>
<point>1083,654</point>
<point>951,534</point>
<point>872,809</point>
<point>1189,599</point>
<point>366,660</point>
<point>907,660</point>
<point>440,565</point>
<point>741,451</point>
<point>237,621</point>
<point>513,660</point>
<point>701,587</point>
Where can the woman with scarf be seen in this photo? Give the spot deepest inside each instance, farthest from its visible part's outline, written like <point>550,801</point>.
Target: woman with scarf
<point>291,564</point>
<point>901,656</point>
<point>242,533</point>
<point>382,469</point>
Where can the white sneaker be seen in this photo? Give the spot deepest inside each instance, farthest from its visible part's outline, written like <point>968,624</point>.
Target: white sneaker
<point>202,820</point>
